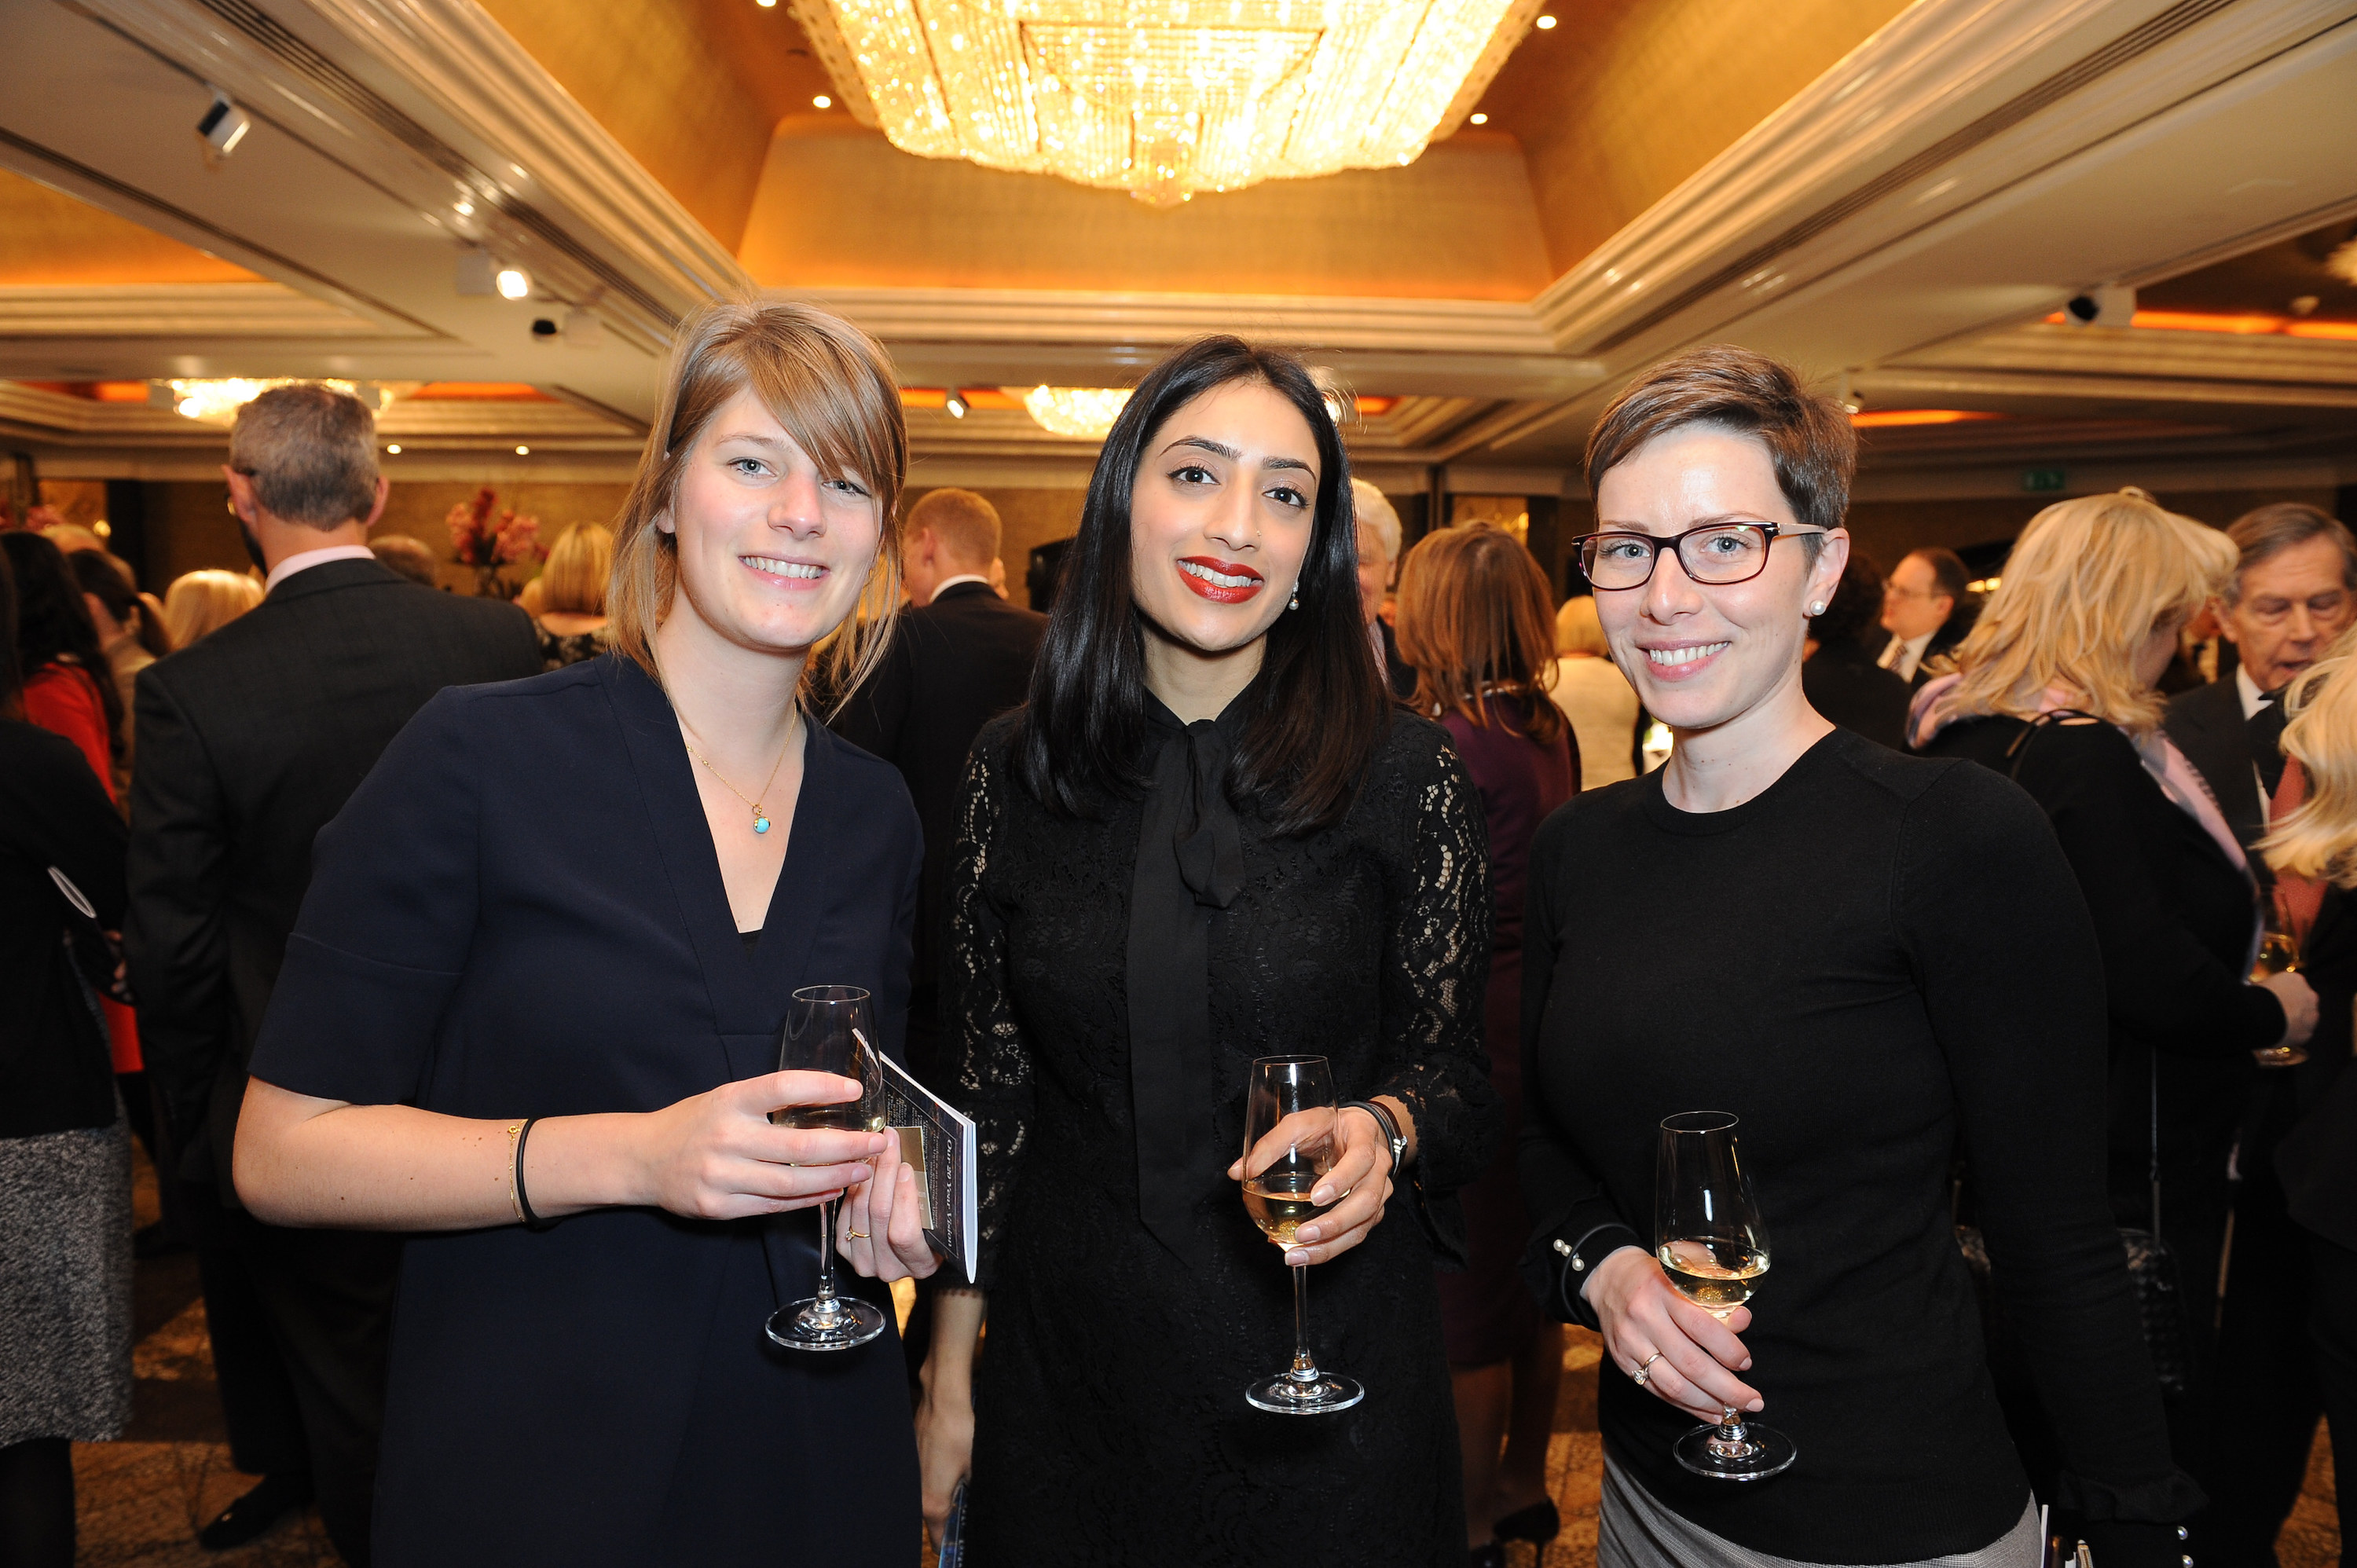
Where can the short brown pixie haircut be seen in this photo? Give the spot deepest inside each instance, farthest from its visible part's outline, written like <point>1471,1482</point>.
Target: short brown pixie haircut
<point>1808,435</point>
<point>832,388</point>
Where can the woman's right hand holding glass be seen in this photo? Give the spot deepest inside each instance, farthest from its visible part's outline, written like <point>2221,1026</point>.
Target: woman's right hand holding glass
<point>716,1155</point>
<point>1641,1316</point>
<point>2299,998</point>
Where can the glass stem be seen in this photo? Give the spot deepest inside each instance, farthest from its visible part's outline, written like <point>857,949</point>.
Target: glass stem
<point>826,1250</point>
<point>1304,1369</point>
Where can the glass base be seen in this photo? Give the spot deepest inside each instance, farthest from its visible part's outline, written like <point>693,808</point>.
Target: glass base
<point>2280,1056</point>
<point>1318,1395</point>
<point>825,1324</point>
<point>1735,1451</point>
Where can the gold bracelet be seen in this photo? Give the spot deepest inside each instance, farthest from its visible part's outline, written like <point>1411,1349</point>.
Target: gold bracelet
<point>514,1201</point>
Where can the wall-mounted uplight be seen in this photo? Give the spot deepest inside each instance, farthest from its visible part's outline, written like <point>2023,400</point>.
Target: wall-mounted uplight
<point>514,283</point>
<point>821,101</point>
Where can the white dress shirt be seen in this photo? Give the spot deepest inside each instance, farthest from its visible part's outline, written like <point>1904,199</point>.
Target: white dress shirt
<point>2248,690</point>
<point>310,558</point>
<point>952,582</point>
<point>1905,654</point>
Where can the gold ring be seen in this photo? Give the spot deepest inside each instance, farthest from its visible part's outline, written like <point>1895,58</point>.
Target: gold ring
<point>858,1235</point>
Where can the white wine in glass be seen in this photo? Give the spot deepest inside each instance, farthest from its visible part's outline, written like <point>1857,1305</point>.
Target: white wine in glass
<point>1712,1245</point>
<point>1290,1126</point>
<point>2278,954</point>
<point>830,1028</point>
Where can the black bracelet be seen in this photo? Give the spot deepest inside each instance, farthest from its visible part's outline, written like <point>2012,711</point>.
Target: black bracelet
<point>523,1201</point>
<point>1386,1124</point>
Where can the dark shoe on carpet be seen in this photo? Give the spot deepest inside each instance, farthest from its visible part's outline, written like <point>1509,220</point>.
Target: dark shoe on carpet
<point>251,1517</point>
<point>1539,1522</point>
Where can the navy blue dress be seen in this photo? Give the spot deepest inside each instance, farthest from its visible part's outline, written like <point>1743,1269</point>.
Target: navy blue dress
<point>520,913</point>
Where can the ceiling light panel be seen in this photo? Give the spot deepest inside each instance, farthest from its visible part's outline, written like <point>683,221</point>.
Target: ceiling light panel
<point>1165,97</point>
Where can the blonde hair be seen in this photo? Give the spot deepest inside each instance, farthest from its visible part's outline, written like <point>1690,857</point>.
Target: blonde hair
<point>833,390</point>
<point>573,581</point>
<point>2088,583</point>
<point>202,602</point>
<point>1577,628</point>
<point>2319,839</point>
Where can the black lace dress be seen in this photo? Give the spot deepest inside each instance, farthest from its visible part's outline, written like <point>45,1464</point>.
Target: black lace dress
<point>1110,1422</point>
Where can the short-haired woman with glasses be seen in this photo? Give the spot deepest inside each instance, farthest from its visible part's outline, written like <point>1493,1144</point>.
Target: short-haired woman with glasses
<point>1804,933</point>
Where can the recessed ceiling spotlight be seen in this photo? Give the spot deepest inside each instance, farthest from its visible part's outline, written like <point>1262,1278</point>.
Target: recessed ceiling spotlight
<point>821,101</point>
<point>767,5</point>
<point>2305,305</point>
<point>956,405</point>
<point>393,447</point>
<point>523,451</point>
<point>1544,24</point>
<point>514,283</point>
<point>1481,119</point>
<point>464,209</point>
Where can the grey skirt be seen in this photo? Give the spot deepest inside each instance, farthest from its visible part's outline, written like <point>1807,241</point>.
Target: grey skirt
<point>1632,1530</point>
<point>65,1284</point>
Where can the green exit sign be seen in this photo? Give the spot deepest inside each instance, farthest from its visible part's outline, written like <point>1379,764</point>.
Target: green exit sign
<point>2041,479</point>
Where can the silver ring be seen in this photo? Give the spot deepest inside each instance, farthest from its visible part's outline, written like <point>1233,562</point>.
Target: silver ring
<point>1641,1374</point>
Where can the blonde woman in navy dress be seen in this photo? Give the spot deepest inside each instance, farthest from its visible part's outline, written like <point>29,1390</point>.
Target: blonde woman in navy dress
<point>582,901</point>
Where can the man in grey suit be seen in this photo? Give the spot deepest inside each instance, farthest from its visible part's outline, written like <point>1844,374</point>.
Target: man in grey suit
<point>251,739</point>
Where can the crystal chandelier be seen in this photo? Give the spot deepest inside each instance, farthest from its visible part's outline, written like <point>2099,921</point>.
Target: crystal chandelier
<point>1085,411</point>
<point>1165,97</point>
<point>217,401</point>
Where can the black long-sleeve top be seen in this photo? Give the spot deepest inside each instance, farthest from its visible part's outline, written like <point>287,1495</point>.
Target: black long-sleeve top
<point>2174,918</point>
<point>1876,961</point>
<point>55,1074</point>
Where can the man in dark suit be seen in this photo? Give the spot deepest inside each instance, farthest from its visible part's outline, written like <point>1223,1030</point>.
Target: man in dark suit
<point>1839,676</point>
<point>250,741</point>
<point>2293,592</point>
<point>960,657</point>
<point>1927,607</point>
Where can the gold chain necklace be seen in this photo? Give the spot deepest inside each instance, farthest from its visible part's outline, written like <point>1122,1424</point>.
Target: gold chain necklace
<point>760,819</point>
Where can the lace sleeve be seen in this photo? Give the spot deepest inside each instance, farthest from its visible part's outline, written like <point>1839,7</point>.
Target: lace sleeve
<point>1436,980</point>
<point>993,1059</point>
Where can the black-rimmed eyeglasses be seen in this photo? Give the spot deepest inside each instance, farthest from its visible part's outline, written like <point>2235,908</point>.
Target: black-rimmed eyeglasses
<point>1715,554</point>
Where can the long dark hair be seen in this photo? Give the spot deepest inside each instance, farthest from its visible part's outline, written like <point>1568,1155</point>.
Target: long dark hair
<point>1318,709</point>
<point>108,580</point>
<point>53,626</point>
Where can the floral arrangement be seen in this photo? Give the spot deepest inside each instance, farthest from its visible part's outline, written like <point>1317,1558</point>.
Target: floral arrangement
<point>479,542</point>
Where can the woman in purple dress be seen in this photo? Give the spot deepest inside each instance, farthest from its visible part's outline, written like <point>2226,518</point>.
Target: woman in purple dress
<point>1475,624</point>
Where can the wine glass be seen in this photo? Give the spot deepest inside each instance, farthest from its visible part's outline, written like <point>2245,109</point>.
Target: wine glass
<point>1713,1246</point>
<point>2278,954</point>
<point>1289,1125</point>
<point>830,1028</point>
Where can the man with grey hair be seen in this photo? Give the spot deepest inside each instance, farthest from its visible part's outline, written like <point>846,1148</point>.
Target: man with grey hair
<point>2293,592</point>
<point>248,742</point>
<point>1379,551</point>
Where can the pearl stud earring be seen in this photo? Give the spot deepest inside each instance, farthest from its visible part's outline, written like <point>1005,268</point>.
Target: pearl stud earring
<point>1818,609</point>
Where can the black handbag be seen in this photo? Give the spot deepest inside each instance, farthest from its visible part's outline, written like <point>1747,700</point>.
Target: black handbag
<point>2153,1273</point>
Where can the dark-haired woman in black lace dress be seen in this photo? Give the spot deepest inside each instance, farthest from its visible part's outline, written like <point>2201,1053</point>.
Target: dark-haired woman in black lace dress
<point>1209,839</point>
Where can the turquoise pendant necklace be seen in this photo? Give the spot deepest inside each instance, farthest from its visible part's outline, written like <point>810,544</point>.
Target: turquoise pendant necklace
<point>760,819</point>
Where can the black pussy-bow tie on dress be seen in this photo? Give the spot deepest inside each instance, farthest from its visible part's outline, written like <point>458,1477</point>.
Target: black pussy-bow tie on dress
<point>1191,865</point>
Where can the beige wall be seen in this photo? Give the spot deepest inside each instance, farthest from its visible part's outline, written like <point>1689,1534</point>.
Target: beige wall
<point>53,238</point>
<point>1629,97</point>
<point>840,207</point>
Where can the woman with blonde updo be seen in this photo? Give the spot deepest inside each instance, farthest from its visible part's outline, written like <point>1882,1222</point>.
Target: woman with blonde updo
<point>202,602</point>
<point>2055,687</point>
<point>571,614</point>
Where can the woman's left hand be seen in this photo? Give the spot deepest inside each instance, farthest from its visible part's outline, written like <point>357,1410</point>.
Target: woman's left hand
<point>1361,1175</point>
<point>879,1226</point>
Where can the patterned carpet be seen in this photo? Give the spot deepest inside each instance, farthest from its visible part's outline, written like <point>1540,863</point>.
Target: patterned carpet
<point>144,1499</point>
